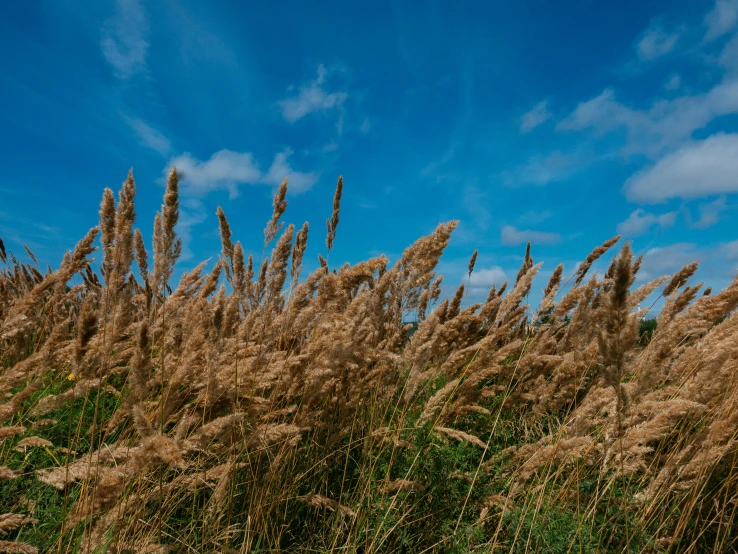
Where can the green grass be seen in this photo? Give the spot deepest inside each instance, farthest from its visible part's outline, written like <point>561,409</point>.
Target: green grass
<point>50,505</point>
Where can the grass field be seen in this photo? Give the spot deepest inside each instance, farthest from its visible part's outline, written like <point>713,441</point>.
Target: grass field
<point>250,408</point>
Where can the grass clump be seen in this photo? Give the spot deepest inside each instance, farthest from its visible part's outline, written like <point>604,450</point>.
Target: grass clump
<point>253,409</point>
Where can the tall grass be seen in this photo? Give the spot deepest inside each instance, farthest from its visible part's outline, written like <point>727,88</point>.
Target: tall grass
<point>245,411</point>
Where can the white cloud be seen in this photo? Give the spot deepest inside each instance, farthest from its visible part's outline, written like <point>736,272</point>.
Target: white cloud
<point>662,127</point>
<point>699,169</point>
<point>124,39</point>
<point>538,115</point>
<point>483,279</point>
<point>640,222</point>
<point>721,19</point>
<point>150,137</point>
<point>656,42</point>
<point>226,170</point>
<point>513,237</point>
<point>312,97</point>
<point>366,126</point>
<point>667,260</point>
<point>673,82</point>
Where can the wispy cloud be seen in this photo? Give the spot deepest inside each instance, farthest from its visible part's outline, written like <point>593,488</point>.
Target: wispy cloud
<point>673,82</point>
<point>730,251</point>
<point>533,217</point>
<point>729,56</point>
<point>701,168</point>
<point>656,42</point>
<point>721,19</point>
<point>538,115</point>
<point>667,259</point>
<point>474,202</point>
<point>150,137</point>
<point>513,237</point>
<point>709,213</point>
<point>17,231</point>
<point>332,146</point>
<point>601,114</point>
<point>432,167</point>
<point>226,170</point>
<point>125,39</point>
<point>667,124</point>
<point>542,170</point>
<point>312,97</point>
<point>280,168</point>
<point>640,222</point>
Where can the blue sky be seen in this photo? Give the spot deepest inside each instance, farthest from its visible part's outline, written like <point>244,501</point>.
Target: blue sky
<point>563,123</point>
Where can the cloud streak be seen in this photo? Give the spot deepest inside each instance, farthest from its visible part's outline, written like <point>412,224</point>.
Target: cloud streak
<point>312,97</point>
<point>150,137</point>
<point>543,170</point>
<point>538,115</point>
<point>640,222</point>
<point>124,39</point>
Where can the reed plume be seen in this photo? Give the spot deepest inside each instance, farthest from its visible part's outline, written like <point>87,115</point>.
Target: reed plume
<point>332,223</point>
<point>274,226</point>
<point>234,411</point>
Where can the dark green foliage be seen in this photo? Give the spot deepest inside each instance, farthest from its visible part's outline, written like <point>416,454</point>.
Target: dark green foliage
<point>646,328</point>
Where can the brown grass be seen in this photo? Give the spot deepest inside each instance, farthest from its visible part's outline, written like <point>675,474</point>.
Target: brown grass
<point>241,412</point>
